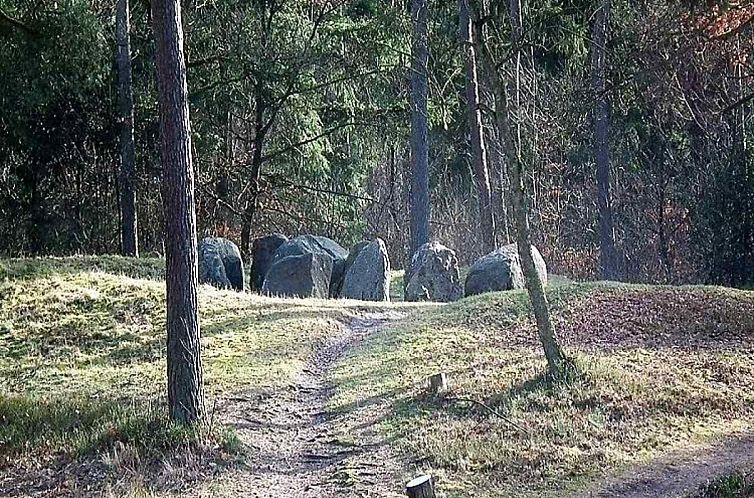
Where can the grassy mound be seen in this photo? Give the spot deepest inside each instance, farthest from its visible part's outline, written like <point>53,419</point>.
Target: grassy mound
<point>82,356</point>
<point>660,368</point>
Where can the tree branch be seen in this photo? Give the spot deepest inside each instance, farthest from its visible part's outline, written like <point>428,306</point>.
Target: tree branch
<point>19,25</point>
<point>280,181</point>
<point>309,140</point>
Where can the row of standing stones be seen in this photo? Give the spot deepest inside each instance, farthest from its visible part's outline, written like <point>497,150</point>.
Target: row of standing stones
<point>315,266</point>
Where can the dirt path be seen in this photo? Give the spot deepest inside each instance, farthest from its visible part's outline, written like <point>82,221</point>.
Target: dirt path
<point>680,474</point>
<point>295,448</point>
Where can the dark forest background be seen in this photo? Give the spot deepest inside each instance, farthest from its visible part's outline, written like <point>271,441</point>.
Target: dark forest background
<point>300,125</point>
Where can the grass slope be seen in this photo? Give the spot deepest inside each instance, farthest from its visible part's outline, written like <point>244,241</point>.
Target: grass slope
<point>82,356</point>
<point>661,368</point>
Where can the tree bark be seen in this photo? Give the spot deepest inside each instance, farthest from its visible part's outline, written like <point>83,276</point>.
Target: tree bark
<point>185,384</point>
<point>608,262</point>
<point>129,225</point>
<point>419,190</point>
<point>478,149</point>
<point>256,173</point>
<point>511,146</point>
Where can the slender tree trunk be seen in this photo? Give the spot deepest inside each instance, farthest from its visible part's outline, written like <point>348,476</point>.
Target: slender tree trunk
<point>419,191</point>
<point>478,149</point>
<point>129,226</point>
<point>511,145</point>
<point>185,384</point>
<point>256,174</point>
<point>608,263</point>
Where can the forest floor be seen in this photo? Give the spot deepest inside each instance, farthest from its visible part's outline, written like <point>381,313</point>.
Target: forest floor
<point>317,398</point>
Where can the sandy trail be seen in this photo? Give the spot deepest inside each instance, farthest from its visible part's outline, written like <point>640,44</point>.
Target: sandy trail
<point>294,450</point>
<point>680,474</point>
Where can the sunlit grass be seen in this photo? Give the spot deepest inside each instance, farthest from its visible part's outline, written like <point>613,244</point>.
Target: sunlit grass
<point>659,368</point>
<point>82,357</point>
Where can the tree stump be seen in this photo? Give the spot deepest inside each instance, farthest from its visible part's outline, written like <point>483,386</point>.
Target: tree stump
<point>421,487</point>
<point>438,383</point>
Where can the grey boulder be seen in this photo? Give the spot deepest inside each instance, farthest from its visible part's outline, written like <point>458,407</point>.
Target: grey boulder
<point>501,270</point>
<point>299,275</point>
<point>433,275</point>
<point>352,254</point>
<point>220,264</point>
<point>368,275</point>
<point>322,246</point>
<point>263,252</point>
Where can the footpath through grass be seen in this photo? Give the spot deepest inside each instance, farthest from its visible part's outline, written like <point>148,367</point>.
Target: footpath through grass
<point>82,364</point>
<point>660,369</point>
<point>82,361</point>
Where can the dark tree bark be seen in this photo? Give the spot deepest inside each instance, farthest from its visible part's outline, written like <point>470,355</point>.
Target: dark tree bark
<point>419,190</point>
<point>608,260</point>
<point>129,225</point>
<point>185,384</point>
<point>255,174</point>
<point>478,149</point>
<point>511,146</point>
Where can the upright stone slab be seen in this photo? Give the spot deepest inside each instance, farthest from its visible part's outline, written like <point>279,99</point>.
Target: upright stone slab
<point>315,244</point>
<point>433,275</point>
<point>220,264</point>
<point>263,252</point>
<point>368,277</point>
<point>300,275</point>
<point>501,270</point>
<point>352,254</point>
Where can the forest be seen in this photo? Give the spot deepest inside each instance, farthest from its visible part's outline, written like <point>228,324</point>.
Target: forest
<point>300,123</point>
<point>424,248</point>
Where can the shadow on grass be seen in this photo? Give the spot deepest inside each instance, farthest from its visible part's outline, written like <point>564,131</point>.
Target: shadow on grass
<point>543,384</point>
<point>78,427</point>
<point>51,444</point>
<point>29,268</point>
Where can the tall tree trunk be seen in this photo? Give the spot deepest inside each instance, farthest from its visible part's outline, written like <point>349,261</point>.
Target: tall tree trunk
<point>511,145</point>
<point>419,191</point>
<point>185,384</point>
<point>478,149</point>
<point>256,173</point>
<point>129,225</point>
<point>608,263</point>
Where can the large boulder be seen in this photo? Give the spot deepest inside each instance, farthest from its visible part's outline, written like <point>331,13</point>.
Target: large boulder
<point>220,264</point>
<point>501,270</point>
<point>368,276</point>
<point>299,275</point>
<point>263,252</point>
<point>433,275</point>
<point>352,254</point>
<point>315,244</point>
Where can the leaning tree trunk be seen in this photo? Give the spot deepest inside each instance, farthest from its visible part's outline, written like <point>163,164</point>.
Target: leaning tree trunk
<point>419,190</point>
<point>608,261</point>
<point>511,145</point>
<point>185,386</point>
<point>478,149</point>
<point>129,226</point>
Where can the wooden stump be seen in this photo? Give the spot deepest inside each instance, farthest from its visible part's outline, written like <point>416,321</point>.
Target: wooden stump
<point>421,487</point>
<point>438,383</point>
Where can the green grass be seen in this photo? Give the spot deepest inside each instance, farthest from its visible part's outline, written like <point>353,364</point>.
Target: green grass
<point>82,363</point>
<point>736,485</point>
<point>82,356</point>
<point>660,368</point>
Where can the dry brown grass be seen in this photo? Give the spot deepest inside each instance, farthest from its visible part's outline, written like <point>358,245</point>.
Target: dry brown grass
<point>659,369</point>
